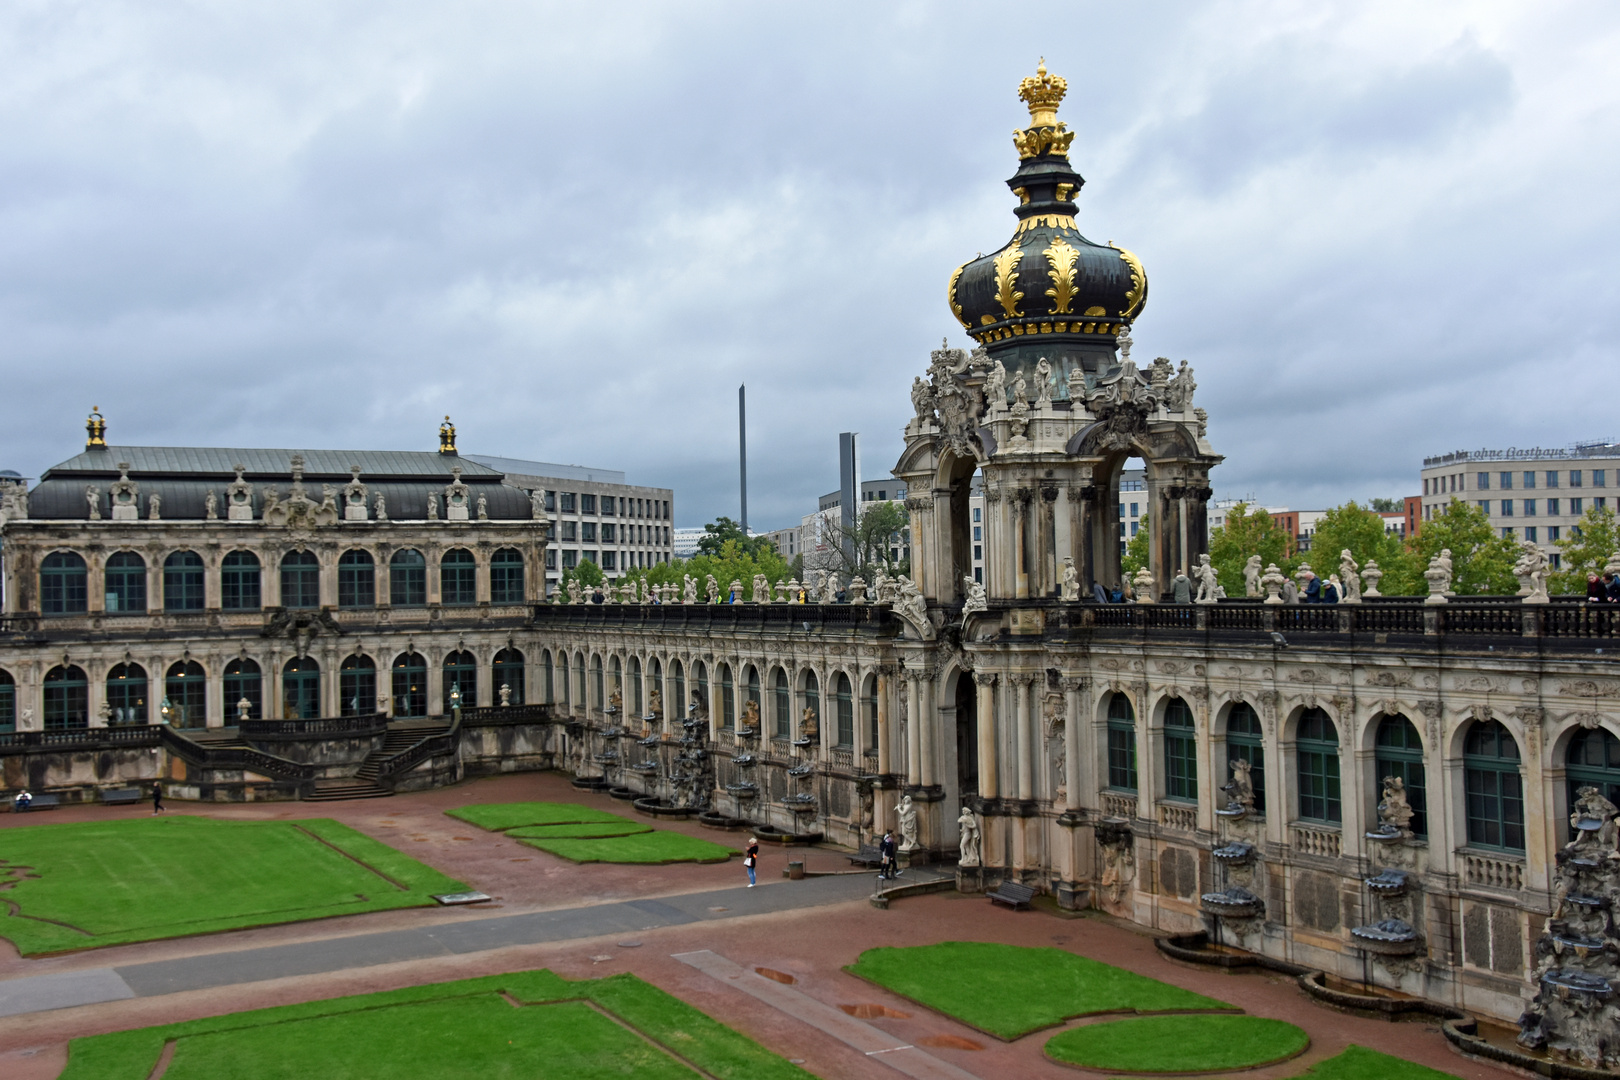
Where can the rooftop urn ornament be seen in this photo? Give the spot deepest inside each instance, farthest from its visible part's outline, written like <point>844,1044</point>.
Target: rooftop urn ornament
<point>95,427</point>
<point>1273,581</point>
<point>1371,576</point>
<point>455,699</point>
<point>125,495</point>
<point>239,497</point>
<point>857,590</point>
<point>243,708</point>
<point>447,437</point>
<point>506,695</point>
<point>1143,586</point>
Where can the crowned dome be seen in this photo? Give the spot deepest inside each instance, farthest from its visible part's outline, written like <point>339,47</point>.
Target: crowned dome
<point>1048,291</point>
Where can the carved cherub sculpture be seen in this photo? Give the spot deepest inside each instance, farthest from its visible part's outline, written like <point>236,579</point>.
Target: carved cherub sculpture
<point>1592,818</point>
<point>1393,809</point>
<point>1240,789</point>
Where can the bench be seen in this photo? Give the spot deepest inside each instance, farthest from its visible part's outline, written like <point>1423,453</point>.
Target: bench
<point>121,796</point>
<point>40,802</point>
<point>1012,894</point>
<point>868,856</point>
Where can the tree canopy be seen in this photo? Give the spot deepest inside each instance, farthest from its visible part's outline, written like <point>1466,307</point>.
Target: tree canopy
<point>1247,531</point>
<point>1361,531</point>
<point>723,530</point>
<point>1585,550</point>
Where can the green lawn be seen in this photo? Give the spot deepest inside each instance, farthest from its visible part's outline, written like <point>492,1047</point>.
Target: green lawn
<point>532,1025</point>
<point>1178,1044</point>
<point>1008,990</point>
<point>1360,1063</point>
<point>581,834</point>
<point>87,884</point>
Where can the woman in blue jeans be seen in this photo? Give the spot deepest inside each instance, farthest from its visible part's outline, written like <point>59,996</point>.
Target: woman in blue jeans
<point>751,858</point>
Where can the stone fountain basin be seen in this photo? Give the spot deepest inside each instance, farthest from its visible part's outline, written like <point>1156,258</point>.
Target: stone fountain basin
<point>655,808</point>
<point>1581,982</point>
<point>1581,944</point>
<point>1236,902</point>
<point>1388,882</point>
<point>1388,937</point>
<point>745,760</point>
<point>1237,853</point>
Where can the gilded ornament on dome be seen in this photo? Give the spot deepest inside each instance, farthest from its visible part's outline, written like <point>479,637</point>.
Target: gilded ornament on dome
<point>1063,257</point>
<point>1138,291</point>
<point>1043,94</point>
<point>950,296</point>
<point>1006,277</point>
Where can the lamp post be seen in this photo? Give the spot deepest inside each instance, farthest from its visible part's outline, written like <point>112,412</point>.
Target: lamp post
<point>166,710</point>
<point>455,702</point>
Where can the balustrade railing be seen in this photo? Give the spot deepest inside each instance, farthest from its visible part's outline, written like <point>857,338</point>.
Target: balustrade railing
<point>1315,840</point>
<point>1176,816</point>
<point>1118,805</point>
<point>323,727</point>
<point>488,715</point>
<point>842,759</point>
<point>80,738</point>
<point>1493,871</point>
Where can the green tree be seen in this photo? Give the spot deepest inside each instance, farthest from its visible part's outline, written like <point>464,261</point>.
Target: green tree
<point>730,563</point>
<point>722,530</point>
<point>1387,506</point>
<point>1247,531</point>
<point>1586,550</point>
<point>587,573</point>
<point>1138,552</point>
<point>1361,531</point>
<point>1481,558</point>
<point>877,532</point>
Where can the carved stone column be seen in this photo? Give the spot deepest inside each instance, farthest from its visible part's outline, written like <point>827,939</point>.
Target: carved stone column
<point>885,676</point>
<point>1026,752</point>
<point>1072,779</point>
<point>985,718</point>
<point>1020,503</point>
<point>929,730</point>
<point>914,720</point>
<point>1047,557</point>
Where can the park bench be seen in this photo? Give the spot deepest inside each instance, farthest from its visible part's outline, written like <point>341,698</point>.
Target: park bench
<point>121,796</point>
<point>1012,894</point>
<point>868,856</point>
<point>40,802</point>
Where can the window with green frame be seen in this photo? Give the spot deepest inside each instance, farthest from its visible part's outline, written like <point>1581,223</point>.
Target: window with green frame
<point>1316,754</point>
<point>357,580</point>
<point>243,680</point>
<point>1399,752</point>
<point>598,693</point>
<point>869,710</point>
<point>506,577</point>
<point>678,673</point>
<point>781,705</point>
<point>300,580</point>
<point>239,584</point>
<point>507,671</point>
<point>1180,752</point>
<point>1121,743</point>
<point>812,698</point>
<point>461,672</point>
<point>728,700</point>
<point>1246,742</point>
<point>407,579</point>
<point>8,701</point>
<point>357,686</point>
<point>579,679</point>
<point>62,584</point>
<point>1592,760</point>
<point>634,704</point>
<point>844,704</point>
<point>301,689</point>
<point>458,578</point>
<point>127,695</point>
<point>550,689</point>
<point>126,582</point>
<point>410,684</point>
<point>66,694</point>
<point>183,582</point>
<point>186,687</point>
<point>751,693</point>
<point>1493,788</point>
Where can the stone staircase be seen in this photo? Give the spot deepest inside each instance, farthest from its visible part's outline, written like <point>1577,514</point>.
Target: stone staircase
<point>363,784</point>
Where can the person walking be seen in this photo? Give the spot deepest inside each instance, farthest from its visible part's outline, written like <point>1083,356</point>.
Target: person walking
<point>157,797</point>
<point>751,859</point>
<point>887,869</point>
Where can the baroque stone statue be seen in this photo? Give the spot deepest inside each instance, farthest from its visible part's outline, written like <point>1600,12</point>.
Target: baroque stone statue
<point>975,597</point>
<point>907,814</point>
<point>1531,570</point>
<point>1043,384</point>
<point>1438,576</point>
<point>210,505</point>
<point>92,495</point>
<point>1071,580</point>
<point>969,845</point>
<point>1349,577</point>
<point>1251,576</point>
<point>1394,810</point>
<point>995,388</point>
<point>1208,581</point>
<point>762,589</point>
<point>712,590</point>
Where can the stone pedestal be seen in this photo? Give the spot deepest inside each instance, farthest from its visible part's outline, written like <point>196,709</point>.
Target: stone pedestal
<point>970,879</point>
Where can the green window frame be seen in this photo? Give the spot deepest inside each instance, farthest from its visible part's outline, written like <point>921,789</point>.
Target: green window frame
<point>461,671</point>
<point>407,579</point>
<point>1245,741</point>
<point>752,694</point>
<point>63,584</point>
<point>633,705</point>
<point>357,580</point>
<point>458,578</point>
<point>410,685</point>
<point>598,685</point>
<point>8,701</point>
<point>125,579</point>
<point>243,680</point>
<point>301,689</point>
<point>183,585</point>
<point>1493,789</point>
<point>66,694</point>
<point>682,705</point>
<point>1180,752</point>
<point>300,581</point>
<point>844,709</point>
<point>728,698</point>
<point>357,686</point>
<point>127,695</point>
<point>782,705</point>
<point>550,677</point>
<point>186,688</point>
<point>1121,744</point>
<point>1592,760</point>
<point>507,670</point>
<point>239,578</point>
<point>506,577</point>
<point>579,681</point>
<point>1398,752</point>
<point>1316,755</point>
<point>869,709</point>
<point>812,698</point>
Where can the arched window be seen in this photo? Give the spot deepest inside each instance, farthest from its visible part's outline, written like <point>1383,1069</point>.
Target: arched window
<point>126,582</point>
<point>242,681</point>
<point>62,589</point>
<point>635,686</point>
<point>506,577</point>
<point>357,686</point>
<point>300,580</point>
<point>683,707</point>
<point>1494,789</point>
<point>728,698</point>
<point>655,684</point>
<point>407,579</point>
<point>598,693</point>
<point>8,702</point>
<point>301,689</point>
<point>700,686</point>
<point>1180,752</point>
<point>869,710</point>
<point>751,693</point>
<point>461,673</point>
<point>844,706</point>
<point>551,685</point>
<point>410,685</point>
<point>579,679</point>
<point>183,582</point>
<point>239,582</point>
<point>458,578</point>
<point>812,701</point>
<point>185,687</point>
<point>507,671</point>
<point>1244,742</point>
<point>1399,753</point>
<point>357,580</point>
<point>1593,760</point>
<point>67,699</point>
<point>1121,743</point>
<point>782,705</point>
<point>1317,754</point>
<point>127,695</point>
<point>616,680</point>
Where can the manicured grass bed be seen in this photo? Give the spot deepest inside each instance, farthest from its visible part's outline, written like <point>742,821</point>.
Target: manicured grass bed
<point>113,882</point>
<point>1008,990</point>
<point>581,834</point>
<point>1178,1044</point>
<point>532,1025</point>
<point>1360,1063</point>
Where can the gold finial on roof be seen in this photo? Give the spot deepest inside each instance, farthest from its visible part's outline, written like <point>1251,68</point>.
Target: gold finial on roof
<point>447,437</point>
<point>96,427</point>
<point>1043,94</point>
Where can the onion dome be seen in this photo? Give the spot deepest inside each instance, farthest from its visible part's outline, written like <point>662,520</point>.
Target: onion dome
<point>1049,292</point>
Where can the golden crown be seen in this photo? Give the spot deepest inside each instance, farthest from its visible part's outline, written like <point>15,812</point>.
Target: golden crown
<point>1043,93</point>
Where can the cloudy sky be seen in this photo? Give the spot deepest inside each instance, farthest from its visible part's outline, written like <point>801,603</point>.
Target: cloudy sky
<point>1377,230</point>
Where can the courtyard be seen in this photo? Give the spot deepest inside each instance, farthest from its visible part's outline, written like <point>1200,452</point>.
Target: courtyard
<point>593,968</point>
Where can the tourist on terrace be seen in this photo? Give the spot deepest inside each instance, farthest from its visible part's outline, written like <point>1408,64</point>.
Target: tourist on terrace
<point>1330,591</point>
<point>1313,588</point>
<point>1595,592</point>
<point>1099,594</point>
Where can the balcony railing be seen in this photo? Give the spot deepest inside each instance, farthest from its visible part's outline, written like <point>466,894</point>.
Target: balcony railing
<point>322,728</point>
<point>1118,804</point>
<point>1176,816</point>
<point>1316,840</point>
<point>1493,871</point>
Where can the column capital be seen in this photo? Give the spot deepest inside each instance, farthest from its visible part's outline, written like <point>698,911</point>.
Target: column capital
<point>1073,684</point>
<point>985,678</point>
